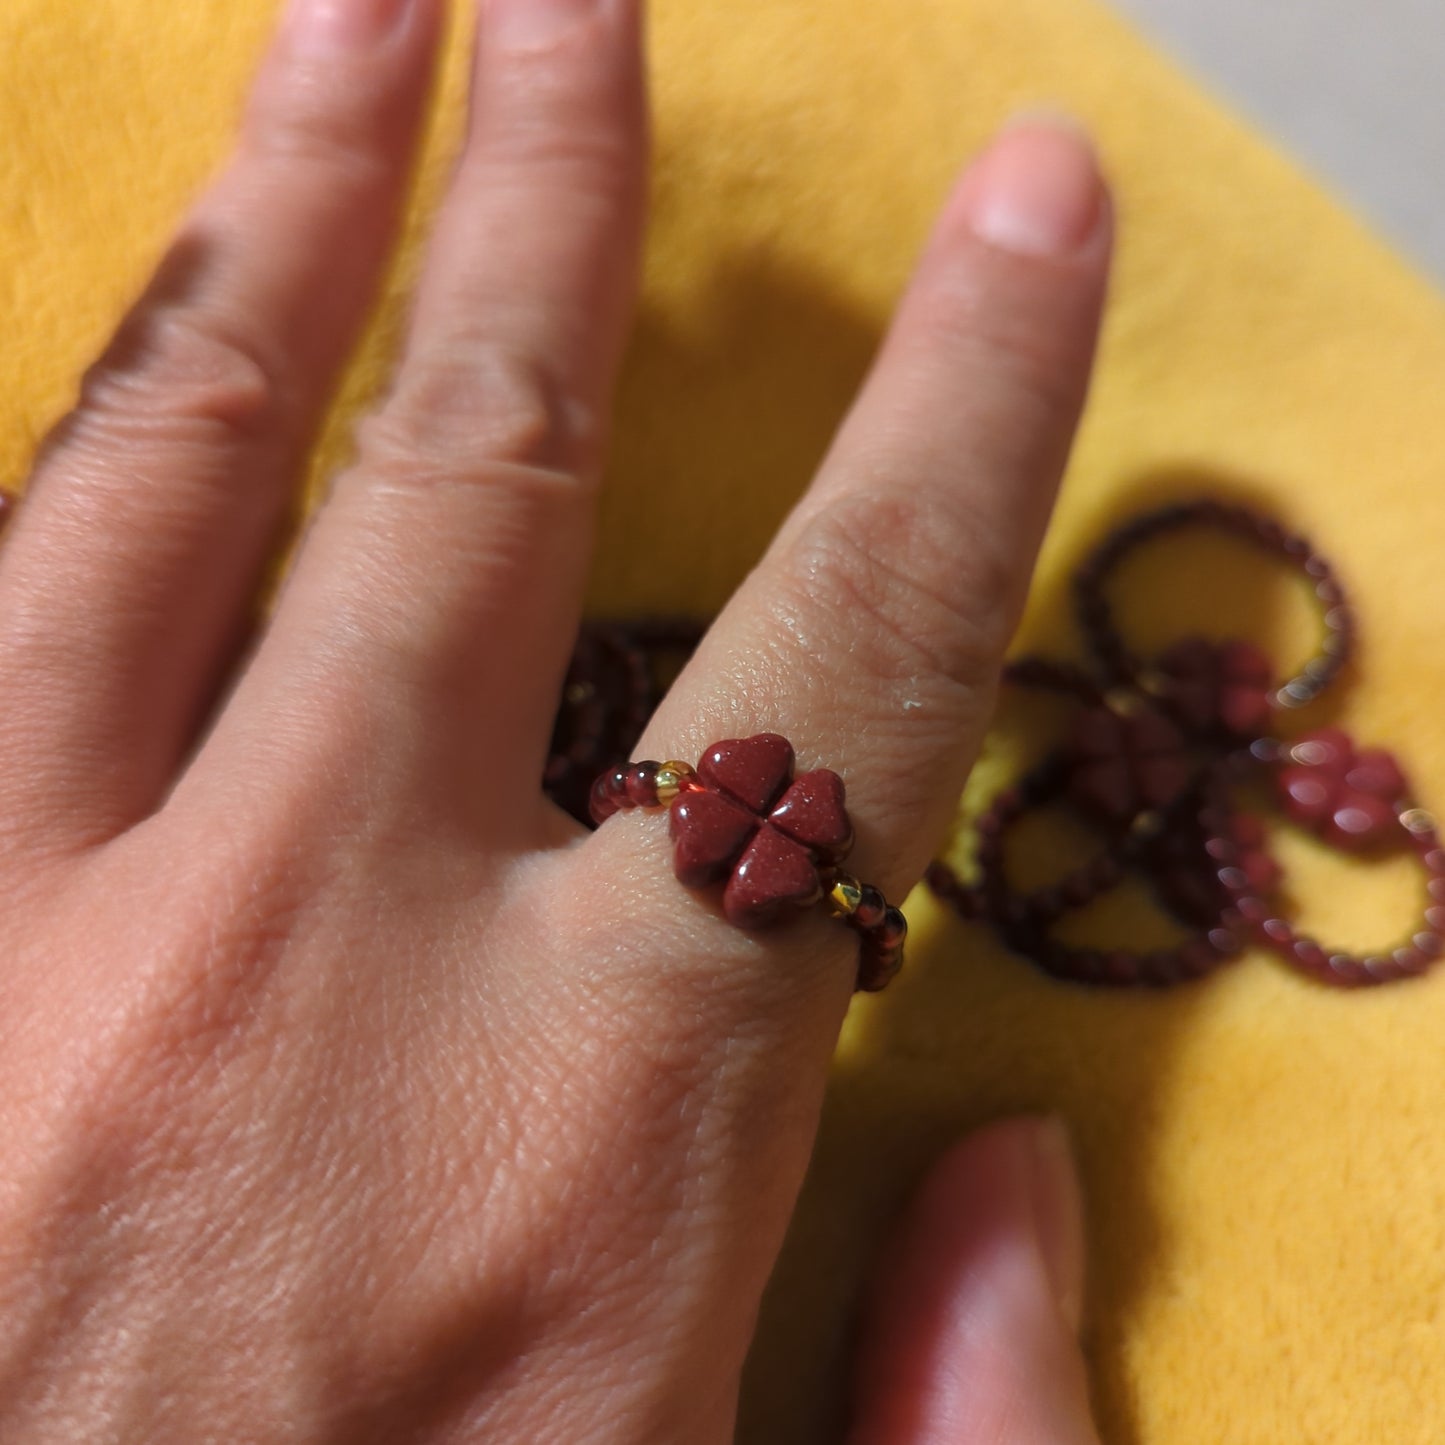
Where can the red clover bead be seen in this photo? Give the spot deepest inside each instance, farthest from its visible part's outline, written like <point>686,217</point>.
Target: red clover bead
<point>642,785</point>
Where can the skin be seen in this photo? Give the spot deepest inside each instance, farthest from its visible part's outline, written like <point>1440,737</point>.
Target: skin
<point>347,1091</point>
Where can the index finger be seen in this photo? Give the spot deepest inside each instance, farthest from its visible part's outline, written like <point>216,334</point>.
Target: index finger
<point>873,632</point>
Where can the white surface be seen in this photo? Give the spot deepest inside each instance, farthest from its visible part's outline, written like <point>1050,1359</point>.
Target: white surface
<point>1353,88</point>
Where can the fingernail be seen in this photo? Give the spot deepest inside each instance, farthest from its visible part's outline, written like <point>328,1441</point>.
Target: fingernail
<point>534,24</point>
<point>1058,1216</point>
<point>1036,191</point>
<point>329,26</point>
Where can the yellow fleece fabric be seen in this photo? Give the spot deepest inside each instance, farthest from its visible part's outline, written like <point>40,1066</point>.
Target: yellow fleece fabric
<point>1264,1159</point>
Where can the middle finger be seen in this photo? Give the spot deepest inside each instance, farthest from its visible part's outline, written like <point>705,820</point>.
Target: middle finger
<point>436,600</point>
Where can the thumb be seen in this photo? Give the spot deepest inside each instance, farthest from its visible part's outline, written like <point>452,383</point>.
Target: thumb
<point>972,1333</point>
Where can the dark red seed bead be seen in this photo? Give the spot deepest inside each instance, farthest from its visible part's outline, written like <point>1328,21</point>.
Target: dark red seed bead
<point>1409,959</point>
<point>1253,910</point>
<point>1121,967</point>
<point>1223,942</point>
<point>1429,945</point>
<point>872,907</point>
<point>1435,860</point>
<point>1277,930</point>
<point>1308,954</point>
<point>1196,957</point>
<point>1047,902</point>
<point>1234,879</point>
<point>617,786</point>
<point>1346,967</point>
<point>642,785</point>
<point>1435,919</point>
<point>1012,911</point>
<point>891,933</point>
<point>1160,967</point>
<point>600,804</point>
<point>1105,871</point>
<point>1436,889</point>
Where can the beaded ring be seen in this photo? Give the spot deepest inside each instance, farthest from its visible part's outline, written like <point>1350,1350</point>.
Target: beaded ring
<point>1151,767</point>
<point>773,839</point>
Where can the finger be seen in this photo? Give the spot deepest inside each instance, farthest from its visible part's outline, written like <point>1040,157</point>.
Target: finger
<point>873,631</point>
<point>133,562</point>
<point>972,1333</point>
<point>443,580</point>
<point>871,634</point>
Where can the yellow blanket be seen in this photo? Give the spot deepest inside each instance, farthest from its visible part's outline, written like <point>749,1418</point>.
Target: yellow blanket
<point>1264,1164</point>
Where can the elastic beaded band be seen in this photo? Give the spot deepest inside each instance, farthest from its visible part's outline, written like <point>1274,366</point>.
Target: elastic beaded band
<point>775,841</point>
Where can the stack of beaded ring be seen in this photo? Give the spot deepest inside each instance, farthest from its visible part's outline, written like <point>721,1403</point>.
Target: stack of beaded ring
<point>775,840</point>
<point>1151,767</point>
<point>617,676</point>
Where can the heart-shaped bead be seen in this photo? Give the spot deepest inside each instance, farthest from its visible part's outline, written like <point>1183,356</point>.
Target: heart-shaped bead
<point>1126,763</point>
<point>1219,684</point>
<point>813,813</point>
<point>774,874</point>
<point>1346,796</point>
<point>709,833</point>
<point>752,770</point>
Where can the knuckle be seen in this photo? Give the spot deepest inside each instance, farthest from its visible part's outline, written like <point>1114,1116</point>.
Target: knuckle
<point>327,115</point>
<point>334,143</point>
<point>175,364</point>
<point>473,409</point>
<point>917,592</point>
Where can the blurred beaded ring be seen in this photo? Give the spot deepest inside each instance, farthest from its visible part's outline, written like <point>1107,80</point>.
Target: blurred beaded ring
<point>773,839</point>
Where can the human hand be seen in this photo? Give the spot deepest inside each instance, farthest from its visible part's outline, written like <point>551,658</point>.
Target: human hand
<point>346,1090</point>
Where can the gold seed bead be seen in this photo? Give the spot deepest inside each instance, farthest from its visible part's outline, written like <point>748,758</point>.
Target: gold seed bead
<point>845,896</point>
<point>670,778</point>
